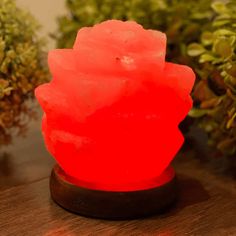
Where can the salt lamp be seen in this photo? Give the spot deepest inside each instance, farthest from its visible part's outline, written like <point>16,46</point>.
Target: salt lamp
<point>111,116</point>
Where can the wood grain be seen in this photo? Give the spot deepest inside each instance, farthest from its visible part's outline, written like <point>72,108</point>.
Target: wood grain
<point>206,205</point>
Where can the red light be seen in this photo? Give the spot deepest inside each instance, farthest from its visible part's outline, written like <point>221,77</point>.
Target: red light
<point>113,107</point>
<point>161,180</point>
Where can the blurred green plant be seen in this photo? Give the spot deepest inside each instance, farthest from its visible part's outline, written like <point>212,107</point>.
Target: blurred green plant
<point>21,68</point>
<point>200,34</point>
<point>215,93</point>
<point>183,23</point>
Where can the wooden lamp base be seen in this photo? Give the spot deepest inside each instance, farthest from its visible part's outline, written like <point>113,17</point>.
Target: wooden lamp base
<point>111,205</point>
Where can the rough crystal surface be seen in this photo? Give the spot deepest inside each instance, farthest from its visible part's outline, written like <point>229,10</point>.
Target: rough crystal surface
<point>112,109</point>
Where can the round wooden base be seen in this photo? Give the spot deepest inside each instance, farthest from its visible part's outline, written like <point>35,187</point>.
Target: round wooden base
<point>111,205</point>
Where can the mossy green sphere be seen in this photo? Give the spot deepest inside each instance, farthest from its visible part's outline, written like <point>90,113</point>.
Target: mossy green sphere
<point>21,67</point>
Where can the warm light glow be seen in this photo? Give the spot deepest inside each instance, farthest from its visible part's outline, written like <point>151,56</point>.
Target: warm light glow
<point>114,105</point>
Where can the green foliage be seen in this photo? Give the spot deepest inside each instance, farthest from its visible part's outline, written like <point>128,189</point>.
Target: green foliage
<point>21,67</point>
<point>89,12</point>
<point>215,94</point>
<point>182,22</point>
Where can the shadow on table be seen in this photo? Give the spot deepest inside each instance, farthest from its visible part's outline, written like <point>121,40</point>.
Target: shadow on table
<point>7,171</point>
<point>6,168</point>
<point>191,192</point>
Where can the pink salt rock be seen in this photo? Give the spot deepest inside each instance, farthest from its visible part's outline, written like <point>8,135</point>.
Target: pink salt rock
<point>112,109</point>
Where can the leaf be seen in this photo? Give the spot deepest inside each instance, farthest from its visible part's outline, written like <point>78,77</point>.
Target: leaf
<point>224,32</point>
<point>195,49</point>
<point>220,23</point>
<point>207,38</point>
<point>7,91</point>
<point>201,15</point>
<point>219,7</point>
<point>3,83</point>
<point>197,113</point>
<point>232,40</point>
<point>210,103</point>
<point>231,121</point>
<point>206,58</point>
<point>223,48</point>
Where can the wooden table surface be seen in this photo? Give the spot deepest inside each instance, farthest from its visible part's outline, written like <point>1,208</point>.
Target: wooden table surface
<point>206,205</point>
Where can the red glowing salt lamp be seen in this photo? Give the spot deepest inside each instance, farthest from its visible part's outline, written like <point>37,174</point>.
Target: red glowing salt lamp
<point>111,116</point>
